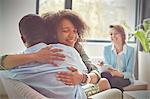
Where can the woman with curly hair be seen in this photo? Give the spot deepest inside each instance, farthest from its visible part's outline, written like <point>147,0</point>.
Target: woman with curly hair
<point>66,22</point>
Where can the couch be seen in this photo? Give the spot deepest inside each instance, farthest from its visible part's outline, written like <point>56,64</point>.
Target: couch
<point>18,90</point>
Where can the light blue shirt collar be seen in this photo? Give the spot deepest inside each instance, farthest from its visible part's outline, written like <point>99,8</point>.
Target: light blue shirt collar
<point>36,48</point>
<point>124,48</point>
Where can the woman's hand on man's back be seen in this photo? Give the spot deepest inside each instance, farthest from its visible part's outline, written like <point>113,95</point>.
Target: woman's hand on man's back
<point>49,55</point>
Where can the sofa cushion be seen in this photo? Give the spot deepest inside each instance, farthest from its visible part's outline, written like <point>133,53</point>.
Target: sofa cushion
<point>140,94</point>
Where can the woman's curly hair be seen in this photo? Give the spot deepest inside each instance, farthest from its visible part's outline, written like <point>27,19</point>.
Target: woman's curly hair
<point>53,21</point>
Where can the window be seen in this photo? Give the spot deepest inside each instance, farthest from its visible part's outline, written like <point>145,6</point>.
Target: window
<point>50,5</point>
<point>98,14</point>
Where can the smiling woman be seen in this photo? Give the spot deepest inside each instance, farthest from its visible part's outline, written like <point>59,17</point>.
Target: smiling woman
<point>119,56</point>
<point>67,19</point>
<point>67,34</point>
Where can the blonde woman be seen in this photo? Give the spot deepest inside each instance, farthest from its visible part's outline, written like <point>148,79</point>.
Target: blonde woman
<point>120,59</point>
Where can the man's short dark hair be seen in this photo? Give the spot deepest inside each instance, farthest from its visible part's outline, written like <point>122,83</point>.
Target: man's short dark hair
<point>32,27</point>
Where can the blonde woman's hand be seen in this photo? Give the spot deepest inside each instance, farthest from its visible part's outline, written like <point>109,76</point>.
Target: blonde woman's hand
<point>116,73</point>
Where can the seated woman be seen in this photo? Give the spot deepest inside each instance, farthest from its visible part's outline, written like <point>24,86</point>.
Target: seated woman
<point>119,57</point>
<point>72,77</point>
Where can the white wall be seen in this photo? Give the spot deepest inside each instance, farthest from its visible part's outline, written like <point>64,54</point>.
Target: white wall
<point>12,11</point>
<point>1,88</point>
<point>0,24</point>
<point>94,49</point>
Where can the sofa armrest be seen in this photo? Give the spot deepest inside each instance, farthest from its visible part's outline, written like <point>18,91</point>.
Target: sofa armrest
<point>18,90</point>
<point>108,94</point>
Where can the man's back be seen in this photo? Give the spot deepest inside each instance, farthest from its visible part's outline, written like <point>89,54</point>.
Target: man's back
<point>42,77</point>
